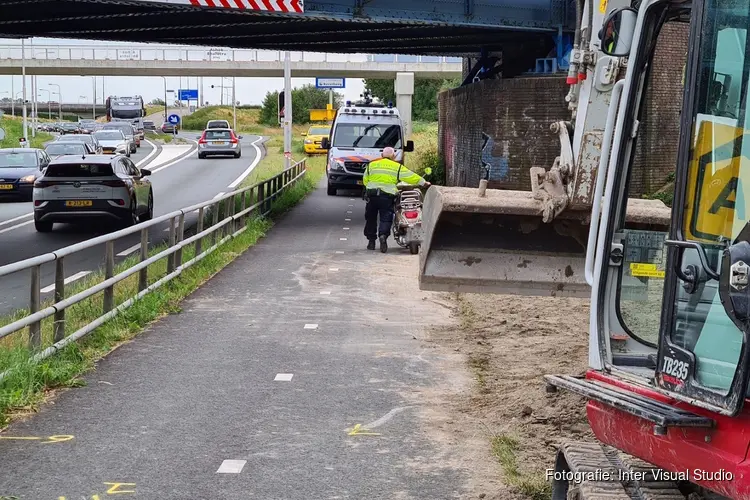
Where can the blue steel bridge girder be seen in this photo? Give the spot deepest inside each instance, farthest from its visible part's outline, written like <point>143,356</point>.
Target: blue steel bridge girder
<point>545,15</point>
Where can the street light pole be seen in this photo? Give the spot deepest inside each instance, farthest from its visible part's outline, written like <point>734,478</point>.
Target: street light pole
<point>287,110</point>
<point>165,97</point>
<point>234,104</point>
<point>59,95</point>
<point>94,109</point>
<point>23,76</point>
<point>49,104</point>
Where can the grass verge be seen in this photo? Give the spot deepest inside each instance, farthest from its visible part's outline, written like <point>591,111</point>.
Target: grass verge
<point>29,384</point>
<point>534,487</point>
<point>14,130</point>
<point>246,118</point>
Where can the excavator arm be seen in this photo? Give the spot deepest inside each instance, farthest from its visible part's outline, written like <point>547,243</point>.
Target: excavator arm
<point>535,242</point>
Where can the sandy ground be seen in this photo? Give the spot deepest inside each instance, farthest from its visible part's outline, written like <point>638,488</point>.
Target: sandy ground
<point>492,352</point>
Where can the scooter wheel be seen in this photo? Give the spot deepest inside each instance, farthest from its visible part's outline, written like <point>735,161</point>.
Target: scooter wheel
<point>414,248</point>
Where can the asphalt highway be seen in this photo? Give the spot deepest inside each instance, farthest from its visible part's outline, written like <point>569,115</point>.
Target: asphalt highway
<point>179,179</point>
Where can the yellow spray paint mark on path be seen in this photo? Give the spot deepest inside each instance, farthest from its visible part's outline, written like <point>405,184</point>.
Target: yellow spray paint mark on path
<point>116,488</point>
<point>44,440</point>
<point>360,431</point>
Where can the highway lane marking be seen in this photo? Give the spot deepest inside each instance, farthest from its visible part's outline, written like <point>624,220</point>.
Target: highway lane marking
<point>351,205</point>
<point>342,239</point>
<point>348,211</point>
<point>347,220</point>
<point>311,326</point>
<point>154,150</point>
<point>11,228</point>
<point>231,466</point>
<point>130,250</point>
<point>283,377</point>
<point>67,280</point>
<point>219,195</point>
<point>339,251</point>
<point>60,438</point>
<point>178,159</point>
<point>346,229</point>
<point>327,292</point>
<point>15,219</point>
<point>252,166</point>
<point>334,269</point>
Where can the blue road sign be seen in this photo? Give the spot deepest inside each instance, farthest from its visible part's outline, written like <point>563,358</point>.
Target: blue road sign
<point>187,94</point>
<point>174,119</point>
<point>330,83</point>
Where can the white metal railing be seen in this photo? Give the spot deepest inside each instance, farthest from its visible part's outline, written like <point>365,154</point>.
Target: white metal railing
<point>198,54</point>
<point>236,206</point>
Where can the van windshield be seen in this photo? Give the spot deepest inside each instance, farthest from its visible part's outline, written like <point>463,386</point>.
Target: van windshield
<point>367,135</point>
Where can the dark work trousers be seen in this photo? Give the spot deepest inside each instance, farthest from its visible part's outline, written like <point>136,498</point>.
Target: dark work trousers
<point>381,205</point>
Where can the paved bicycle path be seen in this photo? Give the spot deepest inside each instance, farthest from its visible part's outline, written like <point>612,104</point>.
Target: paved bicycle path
<point>201,406</point>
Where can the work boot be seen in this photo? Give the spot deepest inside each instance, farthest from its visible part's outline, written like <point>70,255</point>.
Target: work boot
<point>371,245</point>
<point>383,243</point>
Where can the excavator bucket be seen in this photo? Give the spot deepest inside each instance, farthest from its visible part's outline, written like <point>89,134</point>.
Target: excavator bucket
<point>498,243</point>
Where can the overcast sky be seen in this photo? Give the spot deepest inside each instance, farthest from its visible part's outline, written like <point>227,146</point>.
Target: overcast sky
<point>78,88</point>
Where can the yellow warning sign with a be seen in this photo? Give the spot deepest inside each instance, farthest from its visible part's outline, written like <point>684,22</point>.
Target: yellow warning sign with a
<point>603,6</point>
<point>716,194</point>
<point>645,270</point>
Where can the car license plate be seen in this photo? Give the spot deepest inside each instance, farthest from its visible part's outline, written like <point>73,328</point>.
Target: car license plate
<point>359,183</point>
<point>220,143</point>
<point>79,203</point>
<point>6,186</point>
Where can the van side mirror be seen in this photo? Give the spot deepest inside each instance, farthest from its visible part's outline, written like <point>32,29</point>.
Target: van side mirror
<point>616,35</point>
<point>409,147</point>
<point>325,143</point>
<point>145,172</point>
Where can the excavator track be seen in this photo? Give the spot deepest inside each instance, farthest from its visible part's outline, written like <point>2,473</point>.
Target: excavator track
<point>607,474</point>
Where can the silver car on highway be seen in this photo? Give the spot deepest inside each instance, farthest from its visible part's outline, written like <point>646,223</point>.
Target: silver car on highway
<point>113,142</point>
<point>219,142</point>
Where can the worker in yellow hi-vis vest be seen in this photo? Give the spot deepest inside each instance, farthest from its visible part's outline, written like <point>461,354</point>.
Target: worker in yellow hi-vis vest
<point>380,180</point>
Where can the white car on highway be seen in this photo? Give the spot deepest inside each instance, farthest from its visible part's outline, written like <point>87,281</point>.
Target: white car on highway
<point>74,189</point>
<point>113,142</point>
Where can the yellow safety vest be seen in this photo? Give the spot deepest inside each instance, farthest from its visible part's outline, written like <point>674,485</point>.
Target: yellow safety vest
<point>385,174</point>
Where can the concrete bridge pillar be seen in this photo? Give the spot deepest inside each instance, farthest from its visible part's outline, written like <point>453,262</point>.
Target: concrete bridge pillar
<point>404,88</point>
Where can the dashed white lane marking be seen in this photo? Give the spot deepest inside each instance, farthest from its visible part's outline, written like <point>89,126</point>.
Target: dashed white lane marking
<point>15,219</point>
<point>11,228</point>
<point>346,229</point>
<point>347,220</point>
<point>283,377</point>
<point>351,199</point>
<point>351,205</point>
<point>130,250</point>
<point>334,269</point>
<point>252,166</point>
<point>348,211</point>
<point>326,292</point>
<point>311,326</point>
<point>231,466</point>
<point>219,195</point>
<point>339,251</point>
<point>342,239</point>
<point>70,279</point>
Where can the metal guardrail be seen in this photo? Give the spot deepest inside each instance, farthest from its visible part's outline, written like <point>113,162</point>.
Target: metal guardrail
<point>258,197</point>
<point>187,53</point>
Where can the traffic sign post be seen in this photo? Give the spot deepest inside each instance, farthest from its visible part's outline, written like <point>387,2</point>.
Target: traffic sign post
<point>174,120</point>
<point>188,95</point>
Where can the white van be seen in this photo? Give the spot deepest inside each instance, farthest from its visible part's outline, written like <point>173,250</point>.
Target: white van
<point>359,134</point>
